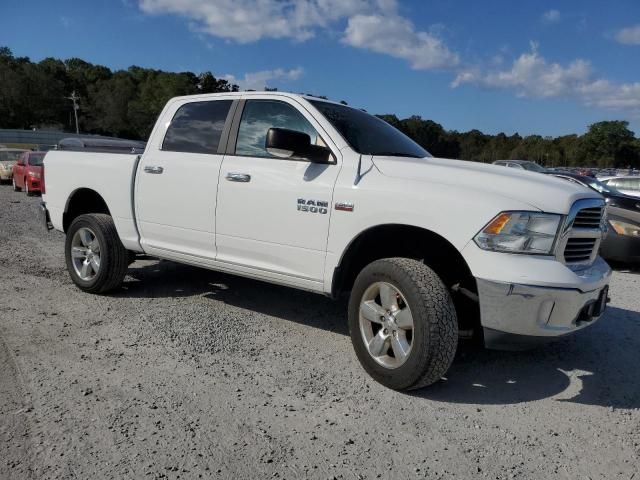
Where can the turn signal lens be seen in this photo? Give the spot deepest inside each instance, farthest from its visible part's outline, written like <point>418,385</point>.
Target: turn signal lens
<point>497,224</point>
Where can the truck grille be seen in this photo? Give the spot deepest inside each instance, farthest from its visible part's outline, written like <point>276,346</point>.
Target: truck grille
<point>584,236</point>
<point>588,218</point>
<point>579,249</point>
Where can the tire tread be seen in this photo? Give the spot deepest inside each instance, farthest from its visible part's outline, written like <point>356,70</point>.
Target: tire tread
<point>436,305</point>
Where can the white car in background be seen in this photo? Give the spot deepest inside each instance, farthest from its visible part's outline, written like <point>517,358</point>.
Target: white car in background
<point>522,165</point>
<point>8,158</point>
<point>628,185</point>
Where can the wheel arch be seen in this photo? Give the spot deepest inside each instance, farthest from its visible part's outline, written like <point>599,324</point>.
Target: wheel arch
<point>82,201</point>
<point>410,241</point>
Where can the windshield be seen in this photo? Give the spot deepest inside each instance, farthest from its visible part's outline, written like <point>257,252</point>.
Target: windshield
<point>532,167</point>
<point>36,158</point>
<point>367,134</point>
<point>10,155</point>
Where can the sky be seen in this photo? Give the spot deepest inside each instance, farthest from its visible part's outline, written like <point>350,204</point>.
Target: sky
<point>543,67</point>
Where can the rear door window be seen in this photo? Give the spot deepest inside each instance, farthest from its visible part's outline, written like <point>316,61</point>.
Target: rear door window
<point>197,127</point>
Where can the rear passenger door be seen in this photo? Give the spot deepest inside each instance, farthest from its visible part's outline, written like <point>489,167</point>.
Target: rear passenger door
<point>177,180</point>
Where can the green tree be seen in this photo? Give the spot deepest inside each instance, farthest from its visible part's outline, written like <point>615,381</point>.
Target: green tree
<point>610,143</point>
<point>126,103</point>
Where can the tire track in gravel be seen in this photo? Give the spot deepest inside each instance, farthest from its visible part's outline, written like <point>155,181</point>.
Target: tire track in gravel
<point>14,425</point>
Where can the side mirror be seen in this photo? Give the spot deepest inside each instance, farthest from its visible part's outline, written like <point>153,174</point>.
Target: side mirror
<point>284,143</point>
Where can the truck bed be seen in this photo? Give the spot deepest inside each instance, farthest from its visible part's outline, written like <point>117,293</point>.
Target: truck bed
<point>111,175</point>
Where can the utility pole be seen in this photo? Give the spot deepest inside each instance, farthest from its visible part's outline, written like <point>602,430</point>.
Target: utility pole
<point>74,98</point>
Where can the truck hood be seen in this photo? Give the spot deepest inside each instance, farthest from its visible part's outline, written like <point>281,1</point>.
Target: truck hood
<point>542,192</point>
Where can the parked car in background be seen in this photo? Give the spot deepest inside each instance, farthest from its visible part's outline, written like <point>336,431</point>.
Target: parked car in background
<point>28,173</point>
<point>628,185</point>
<point>522,165</point>
<point>8,158</point>
<point>101,144</point>
<point>586,172</point>
<point>622,241</point>
<point>606,172</point>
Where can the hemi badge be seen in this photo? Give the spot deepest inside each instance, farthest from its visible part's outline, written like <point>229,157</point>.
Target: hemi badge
<point>344,207</point>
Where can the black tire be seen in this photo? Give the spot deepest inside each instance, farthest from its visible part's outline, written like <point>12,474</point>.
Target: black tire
<point>435,325</point>
<point>114,258</point>
<point>26,188</point>
<point>15,187</point>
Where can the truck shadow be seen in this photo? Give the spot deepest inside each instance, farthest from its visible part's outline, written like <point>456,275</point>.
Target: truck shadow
<point>164,279</point>
<point>597,366</point>
<point>592,367</point>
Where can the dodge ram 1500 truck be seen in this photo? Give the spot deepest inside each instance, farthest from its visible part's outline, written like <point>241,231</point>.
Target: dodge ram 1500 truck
<point>320,196</point>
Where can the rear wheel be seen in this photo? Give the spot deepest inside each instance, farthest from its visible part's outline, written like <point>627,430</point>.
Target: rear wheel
<point>96,259</point>
<point>403,323</point>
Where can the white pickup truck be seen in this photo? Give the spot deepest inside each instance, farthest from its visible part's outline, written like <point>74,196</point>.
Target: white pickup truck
<point>320,196</point>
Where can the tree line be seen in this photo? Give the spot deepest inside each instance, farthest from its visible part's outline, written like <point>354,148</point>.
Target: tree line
<point>126,103</point>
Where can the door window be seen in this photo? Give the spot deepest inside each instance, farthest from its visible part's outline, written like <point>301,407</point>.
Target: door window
<point>259,116</point>
<point>197,127</point>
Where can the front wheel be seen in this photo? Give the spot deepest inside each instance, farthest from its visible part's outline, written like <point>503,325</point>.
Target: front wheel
<point>15,187</point>
<point>96,259</point>
<point>402,323</point>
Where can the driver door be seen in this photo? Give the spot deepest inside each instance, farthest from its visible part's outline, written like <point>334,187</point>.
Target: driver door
<point>273,214</point>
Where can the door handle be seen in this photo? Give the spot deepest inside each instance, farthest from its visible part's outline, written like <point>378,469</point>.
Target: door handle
<point>238,177</point>
<point>153,169</point>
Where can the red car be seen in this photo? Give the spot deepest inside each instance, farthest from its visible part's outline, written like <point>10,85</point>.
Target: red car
<point>28,173</point>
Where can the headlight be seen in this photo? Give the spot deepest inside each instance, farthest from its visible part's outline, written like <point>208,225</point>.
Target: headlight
<point>520,232</point>
<point>624,228</point>
<point>34,174</point>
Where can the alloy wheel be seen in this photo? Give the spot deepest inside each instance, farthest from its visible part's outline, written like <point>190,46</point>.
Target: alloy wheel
<point>85,254</point>
<point>386,324</point>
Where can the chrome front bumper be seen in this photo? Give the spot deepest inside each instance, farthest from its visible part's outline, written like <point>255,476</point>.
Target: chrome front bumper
<point>516,315</point>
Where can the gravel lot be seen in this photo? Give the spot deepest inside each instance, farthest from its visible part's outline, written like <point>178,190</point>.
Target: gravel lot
<point>187,373</point>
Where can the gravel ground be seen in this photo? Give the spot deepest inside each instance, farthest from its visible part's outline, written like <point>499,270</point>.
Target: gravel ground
<point>187,373</point>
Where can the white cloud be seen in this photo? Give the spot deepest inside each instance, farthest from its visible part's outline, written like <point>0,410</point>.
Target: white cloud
<point>396,36</point>
<point>629,35</point>
<point>251,20</point>
<point>551,16</point>
<point>531,75</point>
<point>260,80</point>
<point>371,24</point>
